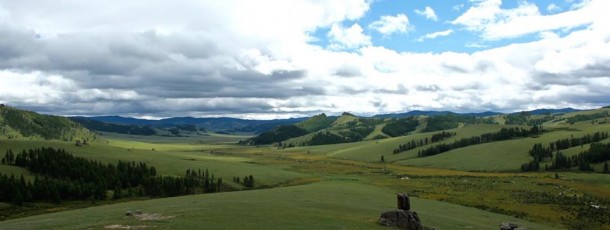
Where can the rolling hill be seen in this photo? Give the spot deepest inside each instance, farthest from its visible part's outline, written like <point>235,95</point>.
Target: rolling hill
<point>19,124</point>
<point>347,174</point>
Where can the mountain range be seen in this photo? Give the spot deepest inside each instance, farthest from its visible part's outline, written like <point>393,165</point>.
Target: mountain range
<point>227,124</point>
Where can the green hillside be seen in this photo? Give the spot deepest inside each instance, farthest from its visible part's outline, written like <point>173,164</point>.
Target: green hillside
<point>348,128</point>
<point>18,124</point>
<point>339,186</point>
<point>316,123</point>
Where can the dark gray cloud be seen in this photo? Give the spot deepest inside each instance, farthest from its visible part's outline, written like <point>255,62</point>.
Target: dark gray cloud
<point>401,90</point>
<point>348,71</point>
<point>428,88</point>
<point>224,57</point>
<point>153,66</point>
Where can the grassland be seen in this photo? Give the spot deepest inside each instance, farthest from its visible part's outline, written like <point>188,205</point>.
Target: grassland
<point>341,186</point>
<point>324,205</point>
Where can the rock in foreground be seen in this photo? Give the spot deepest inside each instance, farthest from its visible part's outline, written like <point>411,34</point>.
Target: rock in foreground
<point>511,226</point>
<point>403,217</point>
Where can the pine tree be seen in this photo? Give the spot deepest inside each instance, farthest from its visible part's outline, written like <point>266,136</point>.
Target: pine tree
<point>55,194</point>
<point>117,193</point>
<point>17,195</point>
<point>606,167</point>
<point>251,181</point>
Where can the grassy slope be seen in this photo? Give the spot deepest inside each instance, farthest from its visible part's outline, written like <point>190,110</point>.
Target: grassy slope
<point>373,150</point>
<point>168,159</point>
<point>203,138</point>
<point>316,123</point>
<point>324,205</point>
<point>377,132</point>
<point>496,156</point>
<point>14,122</point>
<point>346,201</point>
<point>502,155</point>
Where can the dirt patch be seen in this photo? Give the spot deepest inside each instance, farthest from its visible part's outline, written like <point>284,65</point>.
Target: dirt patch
<point>151,216</point>
<point>120,226</point>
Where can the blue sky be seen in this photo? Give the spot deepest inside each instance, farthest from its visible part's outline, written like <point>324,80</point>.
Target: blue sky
<point>460,39</point>
<point>277,58</point>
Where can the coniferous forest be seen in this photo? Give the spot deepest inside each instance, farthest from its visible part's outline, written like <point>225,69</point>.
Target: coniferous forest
<point>596,153</point>
<point>503,134</point>
<point>60,176</point>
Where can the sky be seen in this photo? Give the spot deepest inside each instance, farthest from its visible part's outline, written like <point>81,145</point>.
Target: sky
<point>269,59</point>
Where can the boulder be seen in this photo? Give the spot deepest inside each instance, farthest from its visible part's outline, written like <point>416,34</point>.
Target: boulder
<point>511,226</point>
<point>401,219</point>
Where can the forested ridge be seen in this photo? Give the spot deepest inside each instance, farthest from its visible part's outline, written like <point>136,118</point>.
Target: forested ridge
<point>15,123</point>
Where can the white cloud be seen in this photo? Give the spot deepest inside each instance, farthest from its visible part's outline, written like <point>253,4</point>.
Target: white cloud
<point>347,38</point>
<point>428,12</point>
<point>458,7</point>
<point>388,24</point>
<point>552,8</point>
<point>492,22</point>
<point>434,35</point>
<point>244,59</point>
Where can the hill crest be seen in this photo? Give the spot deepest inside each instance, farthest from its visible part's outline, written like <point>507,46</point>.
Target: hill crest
<point>16,123</point>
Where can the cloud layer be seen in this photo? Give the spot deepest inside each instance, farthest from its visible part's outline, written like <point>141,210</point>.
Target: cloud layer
<point>258,59</point>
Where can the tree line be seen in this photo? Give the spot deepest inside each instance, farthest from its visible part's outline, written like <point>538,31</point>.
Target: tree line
<point>400,127</point>
<point>61,176</point>
<point>279,134</point>
<point>448,121</point>
<point>586,117</point>
<point>503,134</point>
<point>414,144</point>
<point>567,143</point>
<point>596,153</point>
<point>248,181</point>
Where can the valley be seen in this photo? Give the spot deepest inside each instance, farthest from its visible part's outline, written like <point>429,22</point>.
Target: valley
<point>342,185</point>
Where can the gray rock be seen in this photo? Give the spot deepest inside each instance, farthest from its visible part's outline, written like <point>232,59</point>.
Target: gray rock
<point>403,202</point>
<point>511,226</point>
<point>401,219</point>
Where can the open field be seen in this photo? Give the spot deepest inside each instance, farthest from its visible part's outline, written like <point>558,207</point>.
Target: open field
<point>323,205</point>
<point>202,138</point>
<point>169,159</point>
<point>342,186</point>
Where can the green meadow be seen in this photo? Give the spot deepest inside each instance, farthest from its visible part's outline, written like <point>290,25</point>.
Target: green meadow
<point>338,186</point>
<point>323,205</point>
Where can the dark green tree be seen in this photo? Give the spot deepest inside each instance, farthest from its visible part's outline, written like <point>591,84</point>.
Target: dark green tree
<point>17,196</point>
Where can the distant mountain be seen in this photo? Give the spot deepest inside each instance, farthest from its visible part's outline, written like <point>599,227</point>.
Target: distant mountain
<point>227,124</point>
<point>16,123</point>
<point>219,124</point>
<point>550,111</point>
<point>434,113</point>
<point>121,120</point>
<point>114,127</point>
